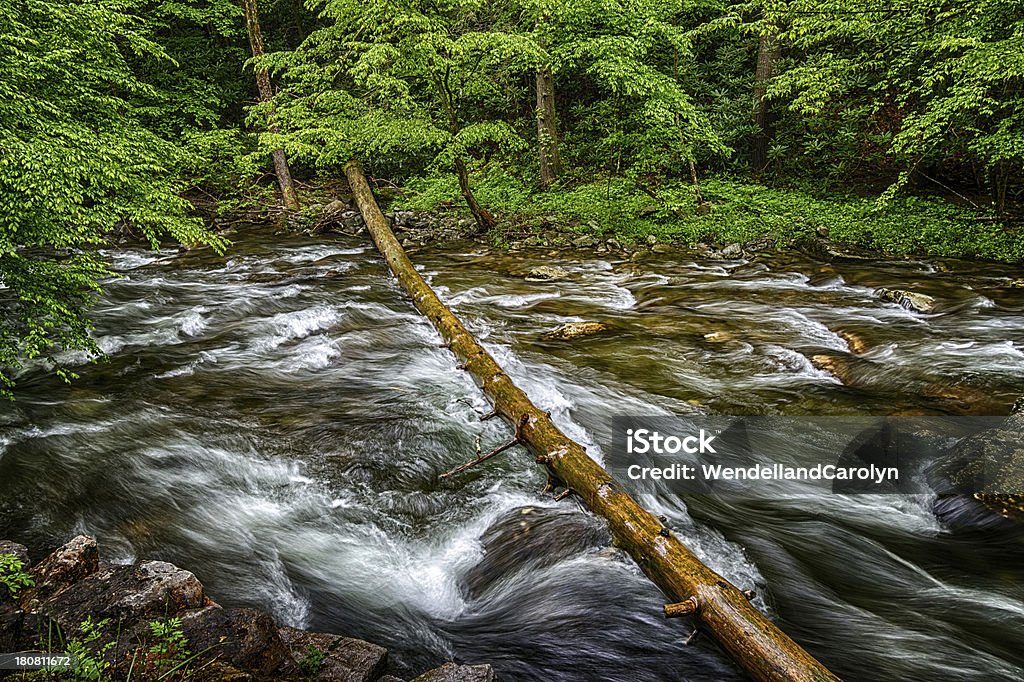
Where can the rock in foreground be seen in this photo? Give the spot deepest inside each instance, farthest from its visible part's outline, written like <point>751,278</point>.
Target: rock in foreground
<point>115,613</point>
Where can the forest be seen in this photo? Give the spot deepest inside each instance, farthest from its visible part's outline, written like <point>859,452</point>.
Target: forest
<point>897,127</point>
<point>327,329</point>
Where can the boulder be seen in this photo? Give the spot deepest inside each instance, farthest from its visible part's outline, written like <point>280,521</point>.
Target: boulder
<point>246,639</point>
<point>71,563</point>
<point>130,596</point>
<point>333,210</point>
<point>451,672</point>
<point>919,303</point>
<point>344,658</point>
<point>546,273</point>
<point>19,551</point>
<point>574,330</point>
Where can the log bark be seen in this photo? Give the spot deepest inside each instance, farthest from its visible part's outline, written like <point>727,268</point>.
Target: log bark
<point>547,128</point>
<point>281,170</point>
<point>744,632</point>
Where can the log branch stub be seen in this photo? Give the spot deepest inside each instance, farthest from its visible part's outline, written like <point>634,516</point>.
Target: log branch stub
<point>687,607</point>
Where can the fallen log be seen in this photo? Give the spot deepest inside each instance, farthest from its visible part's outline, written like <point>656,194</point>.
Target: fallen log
<point>693,589</point>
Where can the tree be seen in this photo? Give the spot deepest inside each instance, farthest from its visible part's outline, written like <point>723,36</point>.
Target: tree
<point>409,85</point>
<point>77,163</point>
<point>281,170</point>
<point>768,49</point>
<point>633,58</point>
<point>940,85</point>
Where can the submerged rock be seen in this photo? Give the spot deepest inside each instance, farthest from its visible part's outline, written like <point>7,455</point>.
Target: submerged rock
<point>981,482</point>
<point>529,538</point>
<point>919,303</point>
<point>854,341</point>
<point>574,330</point>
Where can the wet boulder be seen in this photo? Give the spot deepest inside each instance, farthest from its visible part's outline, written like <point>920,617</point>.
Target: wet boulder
<point>20,552</point>
<point>913,301</point>
<point>71,563</point>
<point>333,657</point>
<point>452,672</point>
<point>130,596</point>
<point>574,330</point>
<point>245,639</point>
<point>980,482</point>
<point>528,538</point>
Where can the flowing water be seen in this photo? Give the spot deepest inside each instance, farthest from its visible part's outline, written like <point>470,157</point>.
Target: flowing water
<point>276,420</point>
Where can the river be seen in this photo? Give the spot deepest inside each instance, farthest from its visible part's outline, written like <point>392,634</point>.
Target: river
<point>275,420</point>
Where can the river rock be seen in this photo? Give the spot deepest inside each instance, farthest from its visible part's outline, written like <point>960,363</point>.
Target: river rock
<point>19,551</point>
<point>129,595</point>
<point>854,341</point>
<point>245,639</point>
<point>919,303</point>
<point>451,672</point>
<point>584,241</point>
<point>574,330</point>
<point>981,482</point>
<point>333,210</point>
<point>71,563</point>
<point>733,250</point>
<point>661,248</point>
<point>351,660</point>
<point>546,273</point>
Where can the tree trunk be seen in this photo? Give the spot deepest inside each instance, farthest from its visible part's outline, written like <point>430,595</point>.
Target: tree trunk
<point>484,219</point>
<point>768,50</point>
<point>284,175</point>
<point>547,128</point>
<point>693,588</point>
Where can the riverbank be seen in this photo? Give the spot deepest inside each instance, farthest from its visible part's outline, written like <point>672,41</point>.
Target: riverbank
<point>154,621</point>
<point>733,211</point>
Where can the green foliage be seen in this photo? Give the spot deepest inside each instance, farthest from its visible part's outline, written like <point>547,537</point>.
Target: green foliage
<point>741,211</point>
<point>404,86</point>
<point>78,162</point>
<point>13,575</point>
<point>633,62</point>
<point>926,85</point>
<point>91,659</point>
<point>170,646</point>
<point>313,661</point>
